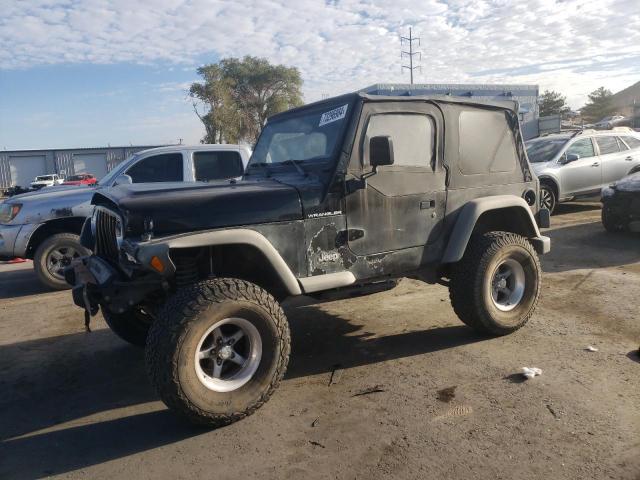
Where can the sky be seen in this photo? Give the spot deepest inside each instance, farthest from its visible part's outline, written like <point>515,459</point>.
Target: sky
<point>82,73</point>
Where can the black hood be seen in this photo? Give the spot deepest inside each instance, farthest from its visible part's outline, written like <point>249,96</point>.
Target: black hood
<point>184,207</point>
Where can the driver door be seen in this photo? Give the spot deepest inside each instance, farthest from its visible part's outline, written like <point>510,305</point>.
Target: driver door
<point>401,205</point>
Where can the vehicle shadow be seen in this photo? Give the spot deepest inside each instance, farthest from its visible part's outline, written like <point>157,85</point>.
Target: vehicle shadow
<point>575,207</point>
<point>76,381</point>
<point>19,281</point>
<point>589,245</point>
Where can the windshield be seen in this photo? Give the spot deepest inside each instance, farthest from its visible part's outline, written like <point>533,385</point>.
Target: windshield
<point>43,178</point>
<point>544,149</point>
<point>306,138</point>
<point>109,177</point>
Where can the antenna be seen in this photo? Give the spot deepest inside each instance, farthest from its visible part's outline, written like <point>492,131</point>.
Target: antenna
<point>410,54</point>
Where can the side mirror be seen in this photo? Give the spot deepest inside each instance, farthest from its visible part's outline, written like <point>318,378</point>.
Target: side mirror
<point>380,151</point>
<point>570,157</point>
<point>123,179</point>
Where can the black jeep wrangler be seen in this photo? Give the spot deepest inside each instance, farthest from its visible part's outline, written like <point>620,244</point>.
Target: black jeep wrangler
<point>340,197</point>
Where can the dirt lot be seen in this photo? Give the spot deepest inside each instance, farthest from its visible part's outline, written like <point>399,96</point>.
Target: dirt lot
<point>79,405</point>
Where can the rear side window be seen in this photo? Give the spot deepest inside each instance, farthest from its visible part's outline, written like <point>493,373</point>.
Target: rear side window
<point>486,143</point>
<point>621,145</point>
<point>158,168</point>
<point>607,145</point>
<point>217,165</point>
<point>631,141</point>
<point>583,148</point>
<point>413,137</point>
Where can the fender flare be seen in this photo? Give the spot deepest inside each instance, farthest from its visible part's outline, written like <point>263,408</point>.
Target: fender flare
<point>229,237</point>
<point>471,212</point>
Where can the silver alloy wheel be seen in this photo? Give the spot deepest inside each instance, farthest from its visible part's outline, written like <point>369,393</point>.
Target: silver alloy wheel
<point>546,199</point>
<point>508,285</point>
<point>228,354</point>
<point>60,258</point>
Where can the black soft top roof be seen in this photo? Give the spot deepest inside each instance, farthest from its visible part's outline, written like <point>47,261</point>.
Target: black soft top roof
<point>511,105</point>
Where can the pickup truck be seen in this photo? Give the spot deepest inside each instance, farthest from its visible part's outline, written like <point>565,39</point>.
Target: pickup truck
<point>45,225</point>
<point>46,181</point>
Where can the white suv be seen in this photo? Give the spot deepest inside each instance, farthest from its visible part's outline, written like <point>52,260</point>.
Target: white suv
<point>580,164</point>
<point>47,181</point>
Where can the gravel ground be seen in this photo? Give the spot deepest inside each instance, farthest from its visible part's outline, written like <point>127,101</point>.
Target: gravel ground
<point>448,403</point>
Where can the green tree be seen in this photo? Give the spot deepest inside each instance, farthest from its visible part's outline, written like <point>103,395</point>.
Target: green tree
<point>552,103</point>
<point>213,102</point>
<point>600,105</point>
<point>237,96</point>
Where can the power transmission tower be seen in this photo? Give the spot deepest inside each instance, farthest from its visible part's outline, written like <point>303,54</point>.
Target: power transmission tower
<point>410,54</point>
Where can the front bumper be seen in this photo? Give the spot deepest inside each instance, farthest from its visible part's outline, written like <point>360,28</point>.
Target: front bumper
<point>541,244</point>
<point>97,283</point>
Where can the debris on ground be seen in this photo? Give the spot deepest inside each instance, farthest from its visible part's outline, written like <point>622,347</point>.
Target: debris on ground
<point>336,374</point>
<point>551,410</point>
<point>457,411</point>
<point>530,372</point>
<point>316,444</point>
<point>367,391</point>
<point>315,422</point>
<point>591,348</point>
<point>447,394</point>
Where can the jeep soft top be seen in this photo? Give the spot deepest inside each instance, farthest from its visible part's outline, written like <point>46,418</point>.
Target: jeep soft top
<point>340,197</point>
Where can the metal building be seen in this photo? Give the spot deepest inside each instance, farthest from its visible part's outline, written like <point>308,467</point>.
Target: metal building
<point>20,167</point>
<point>525,95</point>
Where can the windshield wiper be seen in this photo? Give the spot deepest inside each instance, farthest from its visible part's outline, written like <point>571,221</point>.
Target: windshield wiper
<point>296,163</point>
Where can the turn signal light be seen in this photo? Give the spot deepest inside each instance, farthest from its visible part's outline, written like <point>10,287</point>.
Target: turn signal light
<point>157,264</point>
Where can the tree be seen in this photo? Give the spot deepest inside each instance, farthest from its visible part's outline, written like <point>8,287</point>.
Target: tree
<point>553,103</point>
<point>600,105</point>
<point>237,96</point>
<point>213,103</point>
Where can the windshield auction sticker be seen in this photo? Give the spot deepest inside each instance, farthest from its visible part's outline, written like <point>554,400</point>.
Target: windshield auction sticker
<point>333,115</point>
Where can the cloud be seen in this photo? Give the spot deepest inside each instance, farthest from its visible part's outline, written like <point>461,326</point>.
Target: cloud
<point>340,45</point>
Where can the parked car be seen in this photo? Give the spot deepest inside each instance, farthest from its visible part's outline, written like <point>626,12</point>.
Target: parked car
<point>15,190</point>
<point>45,225</point>
<point>81,179</point>
<point>340,197</point>
<point>580,164</point>
<point>610,122</point>
<point>47,181</point>
<point>621,205</point>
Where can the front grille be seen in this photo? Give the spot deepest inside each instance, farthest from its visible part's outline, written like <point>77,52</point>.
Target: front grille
<point>108,227</point>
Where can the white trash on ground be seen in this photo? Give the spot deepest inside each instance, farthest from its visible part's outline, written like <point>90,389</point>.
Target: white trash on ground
<point>531,372</point>
<point>591,348</point>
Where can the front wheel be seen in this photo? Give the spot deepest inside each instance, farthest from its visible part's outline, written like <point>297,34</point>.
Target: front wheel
<point>495,287</point>
<point>54,255</point>
<point>610,221</point>
<point>548,198</point>
<point>217,350</point>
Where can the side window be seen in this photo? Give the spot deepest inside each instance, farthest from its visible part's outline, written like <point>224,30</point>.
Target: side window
<point>632,142</point>
<point>486,143</point>
<point>217,165</point>
<point>413,137</point>
<point>607,145</point>
<point>621,145</point>
<point>583,148</point>
<point>158,168</point>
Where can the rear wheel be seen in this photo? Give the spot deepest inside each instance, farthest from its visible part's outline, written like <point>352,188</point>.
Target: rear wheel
<point>495,287</point>
<point>218,350</point>
<point>611,222</point>
<point>54,255</point>
<point>548,198</point>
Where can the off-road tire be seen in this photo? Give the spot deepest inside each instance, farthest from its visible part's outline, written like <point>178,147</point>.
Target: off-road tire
<point>471,277</point>
<point>59,240</point>
<point>547,192</point>
<point>173,339</point>
<point>611,222</point>
<point>131,326</point>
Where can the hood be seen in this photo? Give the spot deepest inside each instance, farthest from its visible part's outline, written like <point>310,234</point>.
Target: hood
<point>630,183</point>
<point>185,207</point>
<point>54,193</point>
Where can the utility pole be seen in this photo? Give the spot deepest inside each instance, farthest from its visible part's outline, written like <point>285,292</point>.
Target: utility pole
<point>410,54</point>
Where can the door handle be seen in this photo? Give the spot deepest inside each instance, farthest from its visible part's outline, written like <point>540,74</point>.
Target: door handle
<point>629,158</point>
<point>595,164</point>
<point>427,204</point>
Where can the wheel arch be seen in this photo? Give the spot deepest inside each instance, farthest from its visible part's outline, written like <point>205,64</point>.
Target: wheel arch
<point>255,258</point>
<point>497,213</point>
<point>52,227</point>
<point>553,183</point>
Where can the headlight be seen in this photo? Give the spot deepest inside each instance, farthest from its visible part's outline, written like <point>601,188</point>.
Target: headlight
<point>8,211</point>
